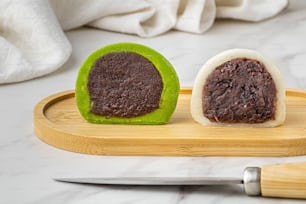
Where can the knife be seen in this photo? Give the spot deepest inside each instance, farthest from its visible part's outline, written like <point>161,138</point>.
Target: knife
<point>279,180</point>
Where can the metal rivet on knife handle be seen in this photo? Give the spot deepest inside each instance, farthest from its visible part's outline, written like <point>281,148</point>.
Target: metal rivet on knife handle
<point>251,181</point>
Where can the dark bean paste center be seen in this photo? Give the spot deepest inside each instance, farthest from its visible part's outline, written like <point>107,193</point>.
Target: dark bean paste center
<point>239,91</point>
<point>124,84</point>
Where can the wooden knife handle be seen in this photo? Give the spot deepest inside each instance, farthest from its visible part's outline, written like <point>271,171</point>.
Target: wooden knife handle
<point>284,180</point>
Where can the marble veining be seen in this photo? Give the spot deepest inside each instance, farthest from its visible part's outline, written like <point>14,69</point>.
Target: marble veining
<point>27,165</point>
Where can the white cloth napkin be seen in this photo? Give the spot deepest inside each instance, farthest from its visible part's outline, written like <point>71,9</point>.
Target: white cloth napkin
<point>33,43</point>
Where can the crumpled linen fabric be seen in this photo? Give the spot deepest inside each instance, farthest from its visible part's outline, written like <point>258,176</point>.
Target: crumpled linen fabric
<point>32,32</point>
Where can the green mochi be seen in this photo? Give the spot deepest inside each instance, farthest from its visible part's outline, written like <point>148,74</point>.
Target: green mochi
<point>169,95</point>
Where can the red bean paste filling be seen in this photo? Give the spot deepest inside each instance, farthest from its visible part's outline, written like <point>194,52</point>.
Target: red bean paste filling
<point>239,91</point>
<point>124,84</point>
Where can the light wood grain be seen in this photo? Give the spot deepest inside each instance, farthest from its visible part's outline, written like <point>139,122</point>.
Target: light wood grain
<point>284,180</point>
<point>58,123</point>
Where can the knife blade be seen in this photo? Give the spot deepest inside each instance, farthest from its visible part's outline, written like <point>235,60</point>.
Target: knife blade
<point>153,181</point>
<point>280,180</point>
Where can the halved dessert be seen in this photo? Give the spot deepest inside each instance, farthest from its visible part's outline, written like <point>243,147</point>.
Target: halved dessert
<point>239,87</point>
<point>127,83</point>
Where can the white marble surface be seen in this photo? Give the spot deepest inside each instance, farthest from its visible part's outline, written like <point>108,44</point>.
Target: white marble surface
<point>27,165</point>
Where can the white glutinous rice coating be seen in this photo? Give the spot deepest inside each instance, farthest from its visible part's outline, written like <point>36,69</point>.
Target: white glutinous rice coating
<point>197,91</point>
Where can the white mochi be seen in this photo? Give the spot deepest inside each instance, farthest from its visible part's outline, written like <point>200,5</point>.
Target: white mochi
<point>214,62</point>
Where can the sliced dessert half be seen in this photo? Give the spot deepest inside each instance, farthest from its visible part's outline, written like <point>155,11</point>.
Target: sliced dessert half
<point>239,87</point>
<point>127,83</point>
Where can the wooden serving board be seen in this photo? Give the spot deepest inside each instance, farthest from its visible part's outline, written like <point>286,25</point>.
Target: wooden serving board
<point>58,123</point>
